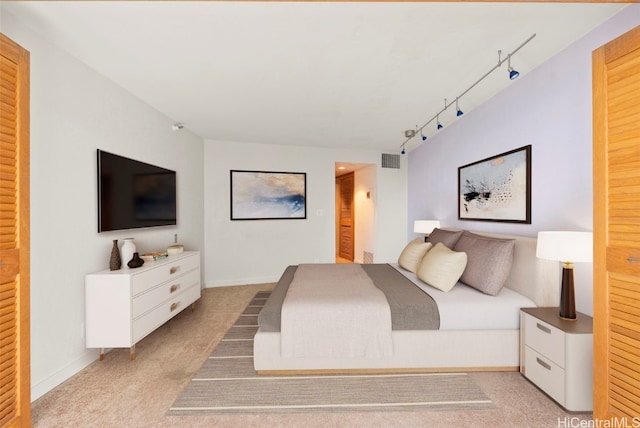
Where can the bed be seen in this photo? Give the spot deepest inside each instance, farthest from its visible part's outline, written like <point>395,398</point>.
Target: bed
<point>467,336</point>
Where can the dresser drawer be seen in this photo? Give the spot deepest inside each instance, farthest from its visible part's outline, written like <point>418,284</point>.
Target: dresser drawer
<point>545,339</point>
<point>167,270</point>
<point>545,373</point>
<point>156,296</point>
<point>152,320</point>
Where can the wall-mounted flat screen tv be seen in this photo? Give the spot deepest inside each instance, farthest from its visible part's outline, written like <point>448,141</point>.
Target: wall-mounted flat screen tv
<point>134,194</point>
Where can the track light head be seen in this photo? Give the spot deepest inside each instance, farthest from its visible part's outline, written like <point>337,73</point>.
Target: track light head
<point>458,111</point>
<point>424,137</point>
<point>402,152</point>
<point>513,74</point>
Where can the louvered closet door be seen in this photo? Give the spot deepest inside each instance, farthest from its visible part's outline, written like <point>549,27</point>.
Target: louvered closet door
<point>616,90</point>
<point>15,376</point>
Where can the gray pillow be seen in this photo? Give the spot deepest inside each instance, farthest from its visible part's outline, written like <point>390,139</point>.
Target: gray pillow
<point>488,261</point>
<point>447,237</point>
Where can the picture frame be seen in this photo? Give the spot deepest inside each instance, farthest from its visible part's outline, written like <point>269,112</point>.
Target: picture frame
<point>497,188</point>
<point>268,195</point>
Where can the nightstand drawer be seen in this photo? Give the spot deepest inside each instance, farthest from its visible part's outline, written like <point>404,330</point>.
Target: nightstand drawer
<point>545,374</point>
<point>557,356</point>
<point>545,339</point>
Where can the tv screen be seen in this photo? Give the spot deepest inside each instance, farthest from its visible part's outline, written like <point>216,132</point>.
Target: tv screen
<point>134,194</point>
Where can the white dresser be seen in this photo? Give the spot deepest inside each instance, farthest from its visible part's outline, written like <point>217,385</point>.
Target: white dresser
<point>124,306</point>
<point>557,356</point>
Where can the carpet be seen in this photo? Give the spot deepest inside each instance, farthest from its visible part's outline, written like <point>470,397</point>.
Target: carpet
<point>227,383</point>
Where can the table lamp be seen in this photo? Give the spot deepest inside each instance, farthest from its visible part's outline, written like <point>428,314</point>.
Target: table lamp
<point>425,227</point>
<point>567,247</point>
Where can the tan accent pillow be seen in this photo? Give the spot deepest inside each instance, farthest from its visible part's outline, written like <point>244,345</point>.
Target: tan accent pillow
<point>441,267</point>
<point>413,253</point>
<point>489,261</point>
<point>447,237</point>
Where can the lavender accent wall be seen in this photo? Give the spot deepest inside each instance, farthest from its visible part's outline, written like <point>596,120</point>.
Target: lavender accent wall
<point>549,108</point>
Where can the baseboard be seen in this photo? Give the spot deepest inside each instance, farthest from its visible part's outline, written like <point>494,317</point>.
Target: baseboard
<point>50,382</point>
<point>242,281</point>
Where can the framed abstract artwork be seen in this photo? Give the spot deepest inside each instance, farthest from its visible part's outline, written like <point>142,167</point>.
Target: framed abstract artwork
<point>497,188</point>
<point>264,195</point>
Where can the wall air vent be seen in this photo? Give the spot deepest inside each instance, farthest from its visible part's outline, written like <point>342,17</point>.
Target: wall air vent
<point>367,257</point>
<point>390,161</point>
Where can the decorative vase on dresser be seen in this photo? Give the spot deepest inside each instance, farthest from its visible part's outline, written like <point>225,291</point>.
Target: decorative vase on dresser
<point>135,261</point>
<point>127,250</point>
<point>115,262</point>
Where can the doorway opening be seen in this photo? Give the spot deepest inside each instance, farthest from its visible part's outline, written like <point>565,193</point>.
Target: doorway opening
<point>354,212</point>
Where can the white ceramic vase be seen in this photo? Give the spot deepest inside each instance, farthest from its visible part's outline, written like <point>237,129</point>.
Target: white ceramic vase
<point>127,250</point>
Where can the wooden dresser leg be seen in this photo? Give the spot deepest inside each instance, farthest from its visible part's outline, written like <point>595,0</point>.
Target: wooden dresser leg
<point>101,354</point>
<point>132,352</point>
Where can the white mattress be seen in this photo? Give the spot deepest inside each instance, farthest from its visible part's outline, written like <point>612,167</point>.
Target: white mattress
<point>465,308</point>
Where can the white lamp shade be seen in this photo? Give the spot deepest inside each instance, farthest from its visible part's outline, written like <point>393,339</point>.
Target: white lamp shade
<point>568,247</point>
<point>425,226</point>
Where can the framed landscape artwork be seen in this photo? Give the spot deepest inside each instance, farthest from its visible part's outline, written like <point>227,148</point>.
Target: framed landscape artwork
<point>497,188</point>
<point>262,195</point>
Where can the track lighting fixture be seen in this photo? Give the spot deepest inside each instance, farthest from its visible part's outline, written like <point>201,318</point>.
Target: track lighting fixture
<point>402,152</point>
<point>513,74</point>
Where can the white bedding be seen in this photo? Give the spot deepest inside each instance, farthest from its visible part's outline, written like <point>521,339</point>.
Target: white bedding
<point>465,308</point>
<point>335,310</point>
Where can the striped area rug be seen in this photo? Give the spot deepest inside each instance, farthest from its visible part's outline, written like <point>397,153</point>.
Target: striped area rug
<point>227,383</point>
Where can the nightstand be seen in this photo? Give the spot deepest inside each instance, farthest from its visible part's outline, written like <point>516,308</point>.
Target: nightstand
<point>557,356</point>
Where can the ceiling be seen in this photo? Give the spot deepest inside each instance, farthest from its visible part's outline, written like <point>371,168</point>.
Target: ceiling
<point>325,74</point>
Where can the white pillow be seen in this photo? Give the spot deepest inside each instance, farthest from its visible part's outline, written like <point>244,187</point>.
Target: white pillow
<point>441,267</point>
<point>413,253</point>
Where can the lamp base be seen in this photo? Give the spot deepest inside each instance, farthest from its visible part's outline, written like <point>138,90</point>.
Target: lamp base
<point>567,294</point>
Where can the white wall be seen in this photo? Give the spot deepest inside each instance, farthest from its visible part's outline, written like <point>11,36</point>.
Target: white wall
<point>365,212</point>
<point>245,252</point>
<point>74,111</point>
<point>549,108</point>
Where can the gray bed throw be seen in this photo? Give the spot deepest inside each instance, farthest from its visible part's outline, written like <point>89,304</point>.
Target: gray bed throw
<point>411,308</point>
